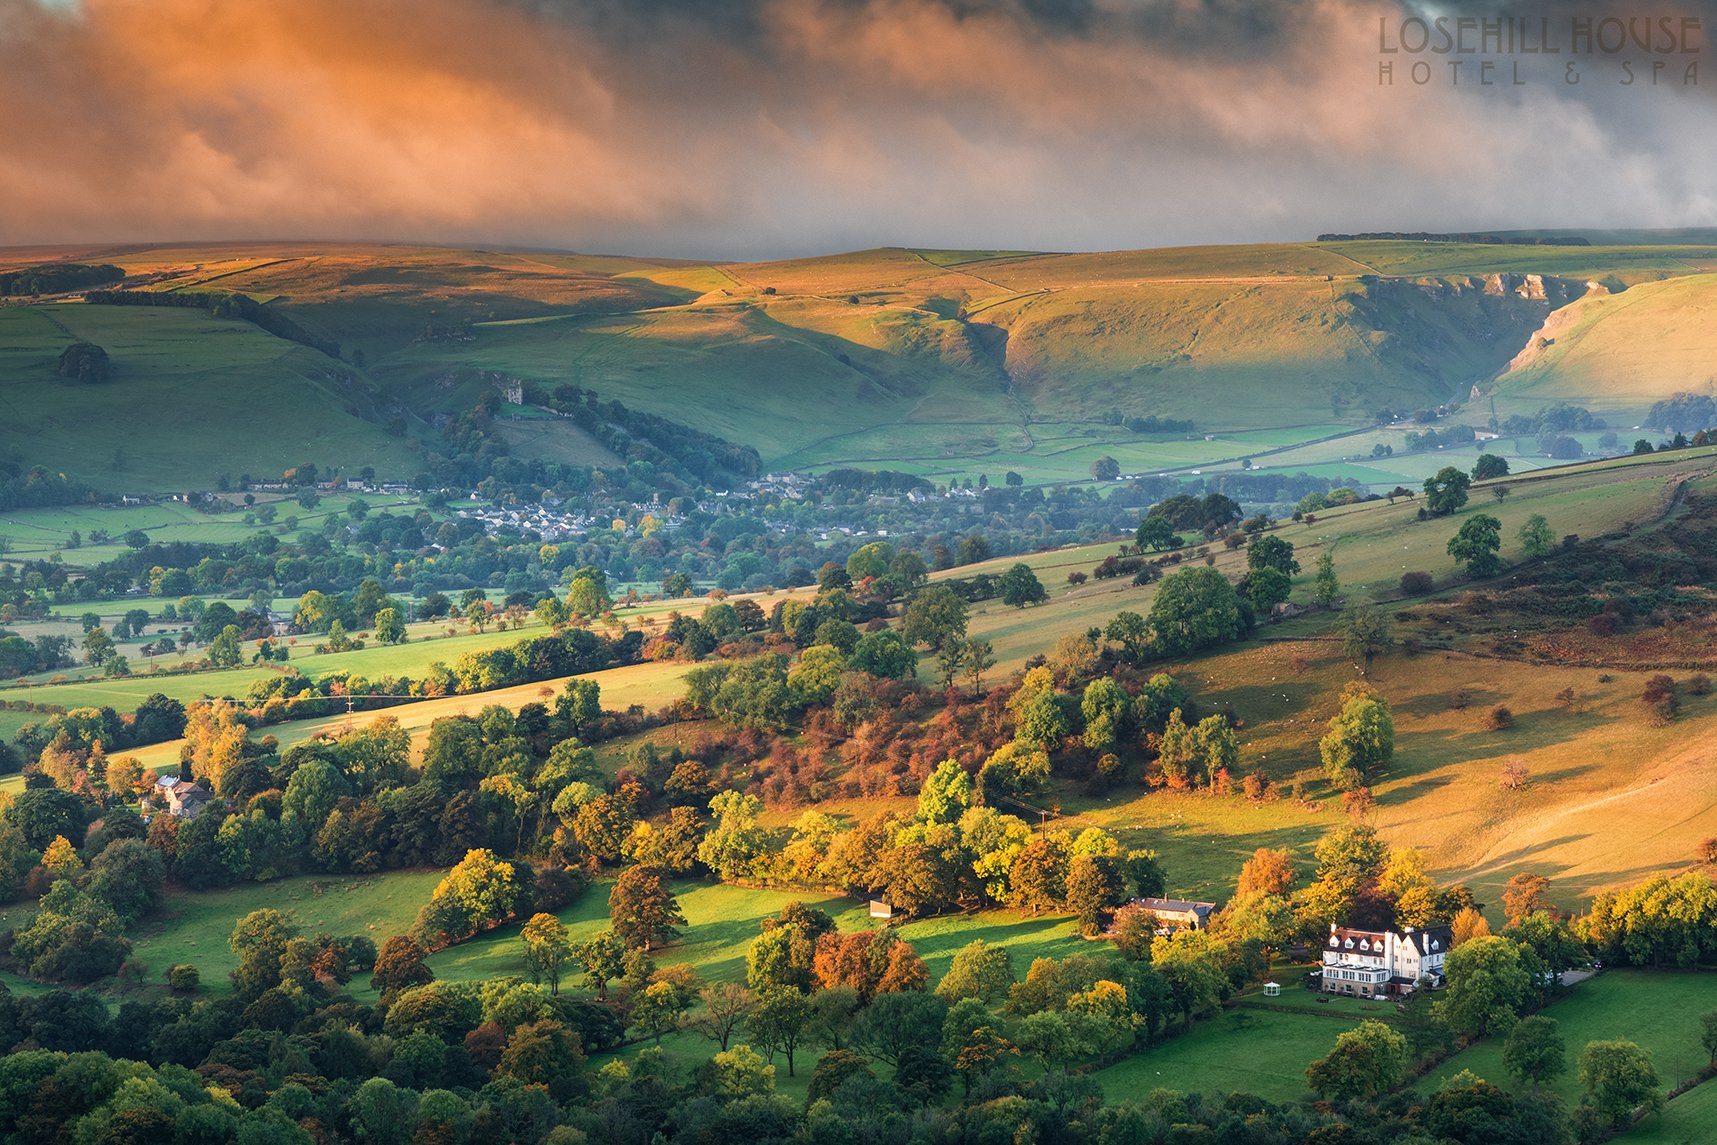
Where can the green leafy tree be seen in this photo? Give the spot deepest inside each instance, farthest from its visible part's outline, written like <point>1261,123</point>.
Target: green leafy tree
<point>1360,741</point>
<point>1488,984</point>
<point>1446,492</point>
<point>604,960</point>
<point>1367,1060</point>
<point>224,650</point>
<point>934,617</point>
<point>1534,1052</point>
<point>979,971</point>
<point>1364,632</point>
<point>885,655</point>
<point>734,841</point>
<point>779,1021</point>
<point>1020,586</point>
<point>389,628</point>
<point>1156,533</point>
<point>1106,709</point>
<point>1476,545</point>
<point>1489,465</point>
<point>1618,1078</point>
<point>946,794</point>
<point>1326,589</point>
<point>1535,537</point>
<point>1132,633</point>
<point>1194,609</point>
<point>1271,552</point>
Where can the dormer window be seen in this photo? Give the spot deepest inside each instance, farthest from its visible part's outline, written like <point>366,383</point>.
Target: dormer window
<point>1349,944</point>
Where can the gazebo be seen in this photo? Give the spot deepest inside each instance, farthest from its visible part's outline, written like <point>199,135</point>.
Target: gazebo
<point>1272,990</point>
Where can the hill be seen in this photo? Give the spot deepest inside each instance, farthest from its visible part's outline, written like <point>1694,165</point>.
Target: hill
<point>931,361</point>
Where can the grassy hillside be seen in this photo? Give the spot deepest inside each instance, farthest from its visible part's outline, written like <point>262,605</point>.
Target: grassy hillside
<point>191,396</point>
<point>933,361</point>
<point>1621,351</point>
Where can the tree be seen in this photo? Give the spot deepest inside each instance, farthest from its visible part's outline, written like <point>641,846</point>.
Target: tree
<point>1476,545</point>
<point>1268,552</point>
<point>1361,739</point>
<point>98,647</point>
<point>734,841</point>
<point>946,794</point>
<point>1129,630</point>
<point>1364,632</point>
<point>547,949</point>
<point>1156,533</point>
<point>1708,1034</point>
<point>1489,465</point>
<point>978,971</point>
<point>1619,1078</point>
<point>225,650</point>
<point>1488,983</point>
<point>1535,537</point>
<point>603,959</point>
<point>1367,1060</point>
<point>725,1006</point>
<point>1267,872</point>
<point>778,1021</point>
<point>659,1006</point>
<point>1446,492</point>
<point>478,894</point>
<point>934,617</point>
<point>1534,1052</point>
<point>1326,589</point>
<point>643,908</point>
<point>389,628</point>
<point>1194,609</point>
<point>1020,586</point>
<point>1105,469</point>
<point>1094,888</point>
<point>1106,709</point>
<point>1524,895</point>
<point>399,966</point>
<point>1266,588</point>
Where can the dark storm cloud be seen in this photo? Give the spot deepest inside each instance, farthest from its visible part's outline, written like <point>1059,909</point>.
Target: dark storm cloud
<point>766,127</point>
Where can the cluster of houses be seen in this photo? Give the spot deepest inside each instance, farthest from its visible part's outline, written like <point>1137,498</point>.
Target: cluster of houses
<point>550,522</point>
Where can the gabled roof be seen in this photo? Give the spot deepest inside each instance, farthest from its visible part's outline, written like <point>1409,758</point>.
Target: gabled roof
<point>1431,939</point>
<point>1176,906</point>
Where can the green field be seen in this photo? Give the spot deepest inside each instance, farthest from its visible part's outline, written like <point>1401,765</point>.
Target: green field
<point>184,385</point>
<point>1659,1010</point>
<point>1240,1050</point>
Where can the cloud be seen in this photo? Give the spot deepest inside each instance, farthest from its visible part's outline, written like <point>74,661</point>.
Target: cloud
<point>770,127</point>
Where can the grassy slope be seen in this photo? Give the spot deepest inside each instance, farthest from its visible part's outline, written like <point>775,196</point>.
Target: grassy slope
<point>1620,352</point>
<point>1658,1010</point>
<point>185,386</point>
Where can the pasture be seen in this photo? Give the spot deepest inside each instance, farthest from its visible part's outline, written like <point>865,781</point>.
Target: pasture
<point>1658,1009</point>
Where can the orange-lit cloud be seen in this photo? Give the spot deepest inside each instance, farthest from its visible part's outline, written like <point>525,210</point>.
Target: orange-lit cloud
<point>768,126</point>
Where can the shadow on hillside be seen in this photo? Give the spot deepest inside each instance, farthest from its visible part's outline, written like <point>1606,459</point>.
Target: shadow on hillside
<point>1439,703</point>
<point>1261,703</point>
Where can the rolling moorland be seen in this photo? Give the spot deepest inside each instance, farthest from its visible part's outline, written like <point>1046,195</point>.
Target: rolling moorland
<point>1531,735</point>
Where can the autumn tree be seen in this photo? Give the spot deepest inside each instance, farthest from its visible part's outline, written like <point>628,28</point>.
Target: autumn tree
<point>643,909</point>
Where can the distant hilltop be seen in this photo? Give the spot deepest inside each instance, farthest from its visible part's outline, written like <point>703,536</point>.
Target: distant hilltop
<point>1428,237</point>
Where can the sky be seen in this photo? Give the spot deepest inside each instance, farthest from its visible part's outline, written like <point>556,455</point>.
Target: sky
<point>772,128</point>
